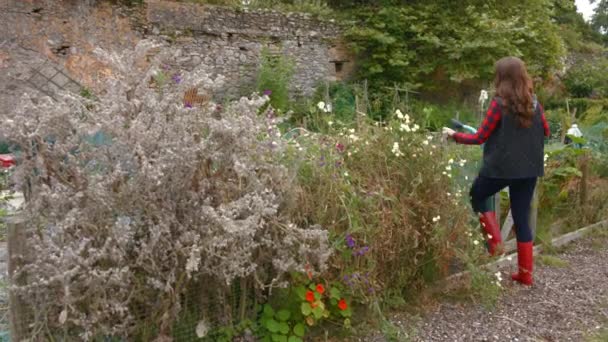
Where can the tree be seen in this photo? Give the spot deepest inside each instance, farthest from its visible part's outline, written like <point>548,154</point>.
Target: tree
<point>599,20</point>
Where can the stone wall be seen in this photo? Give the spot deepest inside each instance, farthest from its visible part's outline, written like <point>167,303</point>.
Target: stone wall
<point>63,34</point>
<point>229,42</point>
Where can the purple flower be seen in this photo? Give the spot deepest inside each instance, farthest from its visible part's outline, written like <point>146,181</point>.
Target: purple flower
<point>177,78</point>
<point>188,105</point>
<point>350,242</point>
<point>267,92</point>
<point>346,277</point>
<point>361,251</point>
<point>322,161</point>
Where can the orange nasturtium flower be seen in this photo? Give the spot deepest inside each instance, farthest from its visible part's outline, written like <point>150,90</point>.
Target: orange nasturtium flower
<point>320,288</point>
<point>342,304</point>
<point>310,296</point>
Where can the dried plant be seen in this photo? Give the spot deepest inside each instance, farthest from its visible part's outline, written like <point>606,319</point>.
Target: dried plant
<point>134,196</point>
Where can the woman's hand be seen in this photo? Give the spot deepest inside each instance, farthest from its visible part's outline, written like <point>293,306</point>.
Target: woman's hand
<point>447,132</point>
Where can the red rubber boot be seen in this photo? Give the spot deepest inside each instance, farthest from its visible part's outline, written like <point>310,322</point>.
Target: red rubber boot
<point>492,231</point>
<point>525,261</point>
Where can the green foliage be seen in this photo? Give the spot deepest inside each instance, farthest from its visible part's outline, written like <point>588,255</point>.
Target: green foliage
<point>460,41</point>
<point>274,76</point>
<point>553,261</point>
<point>299,308</point>
<point>588,78</point>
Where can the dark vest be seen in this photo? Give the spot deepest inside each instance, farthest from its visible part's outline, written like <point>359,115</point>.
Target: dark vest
<point>512,151</point>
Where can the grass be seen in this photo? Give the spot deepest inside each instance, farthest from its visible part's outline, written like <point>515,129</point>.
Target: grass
<point>599,336</point>
<point>552,261</point>
<point>598,237</point>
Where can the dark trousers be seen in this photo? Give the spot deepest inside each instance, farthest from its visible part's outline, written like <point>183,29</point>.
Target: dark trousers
<point>520,192</point>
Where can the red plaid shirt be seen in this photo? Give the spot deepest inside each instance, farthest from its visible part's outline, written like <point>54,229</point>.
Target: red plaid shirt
<point>488,126</point>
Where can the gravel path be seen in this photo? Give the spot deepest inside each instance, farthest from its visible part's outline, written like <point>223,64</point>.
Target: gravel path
<point>567,303</point>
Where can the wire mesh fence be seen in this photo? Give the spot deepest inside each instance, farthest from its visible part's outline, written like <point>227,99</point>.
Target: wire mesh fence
<point>196,314</point>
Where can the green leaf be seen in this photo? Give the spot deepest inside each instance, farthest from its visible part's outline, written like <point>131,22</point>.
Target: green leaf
<point>294,339</point>
<point>306,309</point>
<point>268,310</point>
<point>346,313</point>
<point>272,326</point>
<point>300,292</point>
<point>317,312</point>
<point>312,287</point>
<point>334,292</point>
<point>299,329</point>
<point>283,315</point>
<point>283,328</point>
<point>279,338</point>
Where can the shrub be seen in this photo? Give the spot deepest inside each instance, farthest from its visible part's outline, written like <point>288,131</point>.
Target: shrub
<point>386,195</point>
<point>586,78</point>
<point>174,195</point>
<point>274,78</point>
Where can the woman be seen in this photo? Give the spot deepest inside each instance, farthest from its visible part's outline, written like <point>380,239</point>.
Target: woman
<point>513,132</point>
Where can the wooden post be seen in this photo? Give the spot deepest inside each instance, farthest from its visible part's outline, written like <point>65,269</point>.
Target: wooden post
<point>19,311</point>
<point>584,166</point>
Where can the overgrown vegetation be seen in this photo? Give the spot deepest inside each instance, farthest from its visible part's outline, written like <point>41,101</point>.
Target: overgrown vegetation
<point>281,218</point>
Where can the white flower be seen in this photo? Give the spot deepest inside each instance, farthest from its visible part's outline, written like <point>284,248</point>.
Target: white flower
<point>330,123</point>
<point>483,96</point>
<point>546,157</point>
<point>321,105</point>
<point>414,155</point>
<point>430,137</point>
<point>352,130</point>
<point>475,242</point>
<point>415,128</point>
<point>399,114</point>
<point>327,108</point>
<point>404,127</point>
<point>396,150</point>
<point>462,162</point>
<point>426,142</point>
<point>437,218</point>
<point>448,168</point>
<point>345,173</point>
<point>202,329</point>
<point>451,161</point>
<point>466,177</point>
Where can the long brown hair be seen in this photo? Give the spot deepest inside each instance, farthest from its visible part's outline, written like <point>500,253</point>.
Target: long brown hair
<point>515,86</point>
